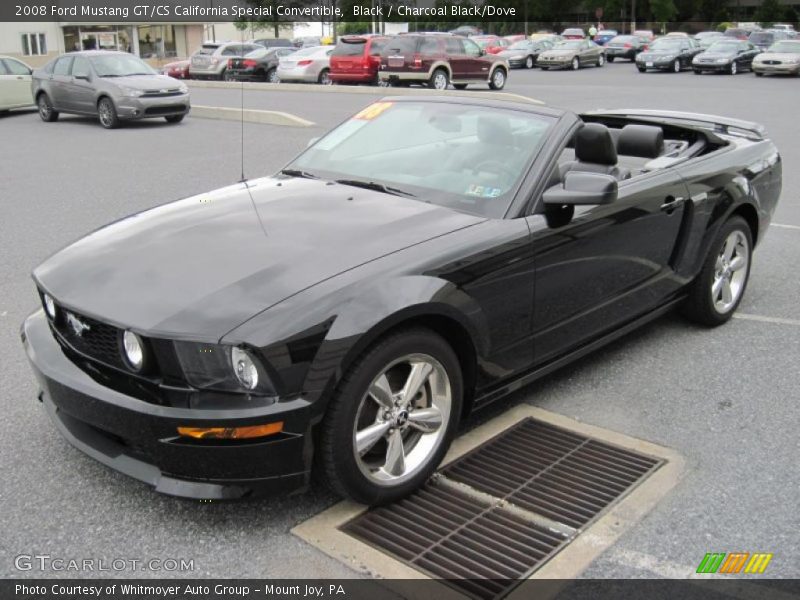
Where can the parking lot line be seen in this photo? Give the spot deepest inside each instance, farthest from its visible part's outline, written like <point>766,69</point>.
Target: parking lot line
<point>765,319</point>
<point>785,226</point>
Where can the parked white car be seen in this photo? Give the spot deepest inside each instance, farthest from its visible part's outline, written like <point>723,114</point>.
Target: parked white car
<point>309,65</point>
<point>15,84</point>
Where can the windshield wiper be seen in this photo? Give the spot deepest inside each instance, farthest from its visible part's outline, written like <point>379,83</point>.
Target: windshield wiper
<point>298,173</point>
<point>374,185</point>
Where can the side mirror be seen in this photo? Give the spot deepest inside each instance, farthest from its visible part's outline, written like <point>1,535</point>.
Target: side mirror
<point>483,52</point>
<point>583,188</point>
<point>312,141</point>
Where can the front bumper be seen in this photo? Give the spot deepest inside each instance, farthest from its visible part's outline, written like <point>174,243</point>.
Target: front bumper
<point>140,439</point>
<point>147,108</point>
<point>711,67</point>
<point>354,76</point>
<point>410,76</point>
<point>657,64</point>
<point>560,63</point>
<point>783,69</point>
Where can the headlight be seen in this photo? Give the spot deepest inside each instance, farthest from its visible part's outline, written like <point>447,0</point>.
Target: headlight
<point>133,350</point>
<point>223,368</point>
<point>183,89</point>
<point>130,92</point>
<point>722,61</point>
<point>667,57</point>
<point>49,306</point>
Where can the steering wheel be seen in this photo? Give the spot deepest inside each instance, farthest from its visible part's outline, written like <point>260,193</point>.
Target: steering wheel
<point>496,167</point>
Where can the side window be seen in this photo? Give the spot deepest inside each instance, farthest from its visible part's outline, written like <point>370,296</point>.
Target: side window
<point>376,47</point>
<point>231,51</point>
<point>429,46</point>
<point>16,68</point>
<point>80,67</point>
<point>453,46</point>
<point>3,69</point>
<point>62,66</point>
<point>471,48</point>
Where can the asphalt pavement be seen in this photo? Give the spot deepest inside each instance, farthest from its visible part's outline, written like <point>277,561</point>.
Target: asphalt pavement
<point>726,399</point>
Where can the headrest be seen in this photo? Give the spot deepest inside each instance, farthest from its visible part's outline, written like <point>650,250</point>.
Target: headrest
<point>646,141</point>
<point>495,130</point>
<point>594,144</point>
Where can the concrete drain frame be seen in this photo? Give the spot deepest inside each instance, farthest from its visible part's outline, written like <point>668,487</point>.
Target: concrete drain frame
<point>581,543</point>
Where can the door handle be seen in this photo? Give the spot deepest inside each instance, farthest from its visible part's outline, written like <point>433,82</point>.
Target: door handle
<point>671,203</point>
<point>20,77</point>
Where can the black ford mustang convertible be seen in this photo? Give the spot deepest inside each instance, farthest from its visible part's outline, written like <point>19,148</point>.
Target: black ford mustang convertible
<point>419,261</point>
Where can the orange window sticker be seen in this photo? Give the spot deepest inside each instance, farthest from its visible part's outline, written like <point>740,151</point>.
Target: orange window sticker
<point>373,110</point>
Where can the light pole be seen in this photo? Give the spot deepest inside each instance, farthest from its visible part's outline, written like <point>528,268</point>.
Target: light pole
<point>633,16</point>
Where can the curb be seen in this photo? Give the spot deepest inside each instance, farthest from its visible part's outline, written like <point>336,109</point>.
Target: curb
<point>265,117</point>
<point>355,89</point>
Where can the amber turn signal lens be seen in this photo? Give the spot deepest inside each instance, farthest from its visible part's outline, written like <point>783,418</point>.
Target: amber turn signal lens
<point>231,433</point>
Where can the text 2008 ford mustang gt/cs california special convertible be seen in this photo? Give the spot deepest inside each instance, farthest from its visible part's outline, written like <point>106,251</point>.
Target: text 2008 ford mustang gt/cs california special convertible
<point>420,260</point>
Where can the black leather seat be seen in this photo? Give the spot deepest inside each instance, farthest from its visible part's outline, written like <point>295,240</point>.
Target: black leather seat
<point>595,152</point>
<point>644,141</point>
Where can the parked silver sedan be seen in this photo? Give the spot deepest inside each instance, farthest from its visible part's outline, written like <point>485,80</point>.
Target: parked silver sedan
<point>309,65</point>
<point>114,86</point>
<point>15,84</point>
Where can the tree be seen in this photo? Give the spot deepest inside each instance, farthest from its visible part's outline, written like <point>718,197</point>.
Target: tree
<point>663,10</point>
<point>769,12</point>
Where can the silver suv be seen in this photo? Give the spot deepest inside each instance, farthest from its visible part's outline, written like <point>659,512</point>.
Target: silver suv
<point>211,60</point>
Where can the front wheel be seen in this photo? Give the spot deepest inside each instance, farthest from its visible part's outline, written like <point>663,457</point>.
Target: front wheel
<point>758,74</point>
<point>107,113</point>
<point>733,69</point>
<point>324,77</point>
<point>716,292</point>
<point>392,417</point>
<point>642,69</point>
<point>174,118</point>
<point>498,79</point>
<point>272,76</point>
<point>676,66</point>
<point>46,111</point>
<point>576,64</point>
<point>529,62</point>
<point>610,59</point>
<point>601,60</point>
<point>698,72</point>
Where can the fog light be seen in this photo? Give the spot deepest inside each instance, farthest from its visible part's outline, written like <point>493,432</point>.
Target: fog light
<point>244,367</point>
<point>231,433</point>
<point>49,306</point>
<point>133,350</point>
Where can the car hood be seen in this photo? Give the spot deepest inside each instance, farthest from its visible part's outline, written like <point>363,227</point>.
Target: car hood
<point>144,82</point>
<point>782,56</point>
<point>558,53</point>
<point>198,267</point>
<point>658,53</point>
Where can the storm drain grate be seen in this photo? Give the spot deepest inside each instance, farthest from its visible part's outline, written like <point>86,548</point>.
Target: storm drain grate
<point>501,511</point>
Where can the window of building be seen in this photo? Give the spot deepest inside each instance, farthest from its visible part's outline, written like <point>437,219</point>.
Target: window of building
<point>34,44</point>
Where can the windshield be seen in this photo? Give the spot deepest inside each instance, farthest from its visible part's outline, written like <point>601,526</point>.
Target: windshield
<point>350,47</point>
<point>567,45</point>
<point>666,44</point>
<point>725,47</point>
<point>470,158</point>
<point>785,47</point>
<point>258,53</point>
<point>521,45</point>
<point>120,65</point>
<point>762,38</point>
<point>622,39</point>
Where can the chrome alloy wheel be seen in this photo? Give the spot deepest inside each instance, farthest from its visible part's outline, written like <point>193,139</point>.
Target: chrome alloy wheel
<point>104,112</point>
<point>402,419</point>
<point>440,80</point>
<point>730,272</point>
<point>44,107</point>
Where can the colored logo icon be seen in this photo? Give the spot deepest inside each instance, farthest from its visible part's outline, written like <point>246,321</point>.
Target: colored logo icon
<point>734,562</point>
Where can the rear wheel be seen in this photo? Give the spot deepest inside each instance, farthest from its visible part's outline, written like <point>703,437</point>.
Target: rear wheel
<point>324,77</point>
<point>272,75</point>
<point>576,64</point>
<point>676,66</point>
<point>497,81</point>
<point>46,110</point>
<point>610,59</point>
<point>716,292</point>
<point>529,62</point>
<point>733,69</point>
<point>174,118</point>
<point>601,60</point>
<point>392,417</point>
<point>439,80</point>
<point>107,113</point>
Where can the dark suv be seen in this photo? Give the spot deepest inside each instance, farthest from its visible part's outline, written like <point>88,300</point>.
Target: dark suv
<point>357,59</point>
<point>438,60</point>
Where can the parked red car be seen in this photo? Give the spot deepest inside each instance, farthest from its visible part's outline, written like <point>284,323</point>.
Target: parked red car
<point>356,59</point>
<point>178,69</point>
<point>491,44</point>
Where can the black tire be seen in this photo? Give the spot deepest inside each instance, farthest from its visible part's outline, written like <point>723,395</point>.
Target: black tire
<point>497,80</point>
<point>324,77</point>
<point>642,69</point>
<point>676,66</point>
<point>46,111</point>
<point>697,71</point>
<point>460,86</point>
<point>544,68</point>
<point>271,75</point>
<point>107,113</point>
<point>758,74</point>
<point>337,454</point>
<point>529,62</point>
<point>223,75</point>
<point>601,60</point>
<point>733,69</point>
<point>610,59</point>
<point>174,118</point>
<point>699,305</point>
<point>439,80</point>
<point>576,64</point>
